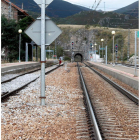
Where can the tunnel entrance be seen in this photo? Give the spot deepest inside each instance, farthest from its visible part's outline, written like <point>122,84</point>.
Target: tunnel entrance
<point>78,57</point>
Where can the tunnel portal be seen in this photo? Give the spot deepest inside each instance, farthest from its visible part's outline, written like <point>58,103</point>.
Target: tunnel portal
<point>78,57</point>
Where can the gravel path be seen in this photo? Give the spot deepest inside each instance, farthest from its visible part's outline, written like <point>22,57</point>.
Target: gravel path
<point>22,117</point>
<point>117,115</point>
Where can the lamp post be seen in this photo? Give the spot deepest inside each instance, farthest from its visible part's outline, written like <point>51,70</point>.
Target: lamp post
<point>95,51</point>
<point>102,40</point>
<point>113,33</point>
<point>19,31</point>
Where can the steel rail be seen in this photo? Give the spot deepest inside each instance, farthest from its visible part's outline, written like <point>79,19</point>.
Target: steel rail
<point>7,94</point>
<point>92,116</point>
<point>131,96</point>
<point>5,81</point>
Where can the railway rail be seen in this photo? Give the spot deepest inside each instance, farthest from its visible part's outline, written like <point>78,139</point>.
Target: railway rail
<point>118,87</point>
<point>6,94</point>
<point>96,131</point>
<point>14,76</point>
<point>107,114</point>
<point>116,115</point>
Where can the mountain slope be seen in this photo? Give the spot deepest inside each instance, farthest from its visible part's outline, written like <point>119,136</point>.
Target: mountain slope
<point>108,19</point>
<point>132,9</point>
<point>58,8</point>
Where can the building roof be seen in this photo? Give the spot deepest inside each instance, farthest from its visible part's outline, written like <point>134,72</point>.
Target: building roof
<point>16,7</point>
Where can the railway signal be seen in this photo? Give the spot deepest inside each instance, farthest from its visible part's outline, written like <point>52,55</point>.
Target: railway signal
<point>72,43</point>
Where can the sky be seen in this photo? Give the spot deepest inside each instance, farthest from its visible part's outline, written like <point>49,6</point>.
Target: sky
<point>110,5</point>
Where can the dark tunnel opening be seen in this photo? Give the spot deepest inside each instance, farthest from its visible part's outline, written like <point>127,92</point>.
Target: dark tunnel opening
<point>78,57</point>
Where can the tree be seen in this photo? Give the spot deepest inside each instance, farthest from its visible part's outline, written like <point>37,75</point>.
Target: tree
<point>10,37</point>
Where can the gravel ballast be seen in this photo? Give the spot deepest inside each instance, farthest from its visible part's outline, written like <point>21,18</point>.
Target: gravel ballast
<point>116,114</point>
<point>22,116</point>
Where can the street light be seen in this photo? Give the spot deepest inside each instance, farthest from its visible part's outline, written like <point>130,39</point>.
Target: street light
<point>95,51</point>
<point>19,31</point>
<point>102,40</point>
<point>113,33</point>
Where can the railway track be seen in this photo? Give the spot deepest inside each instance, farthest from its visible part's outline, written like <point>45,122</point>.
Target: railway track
<point>118,87</point>
<point>14,76</point>
<point>117,116</point>
<point>7,92</point>
<point>95,129</point>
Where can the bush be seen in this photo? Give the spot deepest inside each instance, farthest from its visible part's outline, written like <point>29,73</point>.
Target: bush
<point>66,58</point>
<point>87,26</point>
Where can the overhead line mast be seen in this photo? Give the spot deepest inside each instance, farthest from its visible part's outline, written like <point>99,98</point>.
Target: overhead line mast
<point>94,4</point>
<point>98,4</point>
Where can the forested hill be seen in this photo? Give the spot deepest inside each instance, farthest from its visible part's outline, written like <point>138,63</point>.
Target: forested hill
<point>58,8</point>
<point>132,9</point>
<point>108,19</point>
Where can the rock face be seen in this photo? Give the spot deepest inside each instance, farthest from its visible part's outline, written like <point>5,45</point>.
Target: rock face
<point>83,40</point>
<point>132,60</point>
<point>78,40</point>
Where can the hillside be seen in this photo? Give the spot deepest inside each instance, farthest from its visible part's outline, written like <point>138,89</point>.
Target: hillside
<point>58,8</point>
<point>132,9</point>
<point>82,39</point>
<point>108,19</point>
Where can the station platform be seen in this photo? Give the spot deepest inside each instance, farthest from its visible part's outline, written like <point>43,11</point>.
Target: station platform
<point>120,72</point>
<point>20,65</point>
<point>12,66</point>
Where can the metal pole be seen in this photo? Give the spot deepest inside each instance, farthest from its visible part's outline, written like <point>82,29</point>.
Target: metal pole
<point>113,51</point>
<point>43,52</point>
<point>32,52</point>
<point>106,54</point>
<point>99,50</point>
<point>71,53</point>
<point>36,53</point>
<point>53,54</point>
<point>135,53</point>
<point>92,53</point>
<point>19,45</point>
<point>102,49</point>
<point>49,52</point>
<point>55,48</point>
<point>128,48</point>
<point>26,52</point>
<point>95,53</point>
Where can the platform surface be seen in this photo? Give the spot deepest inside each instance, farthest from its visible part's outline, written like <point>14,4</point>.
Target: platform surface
<point>128,71</point>
<point>16,64</point>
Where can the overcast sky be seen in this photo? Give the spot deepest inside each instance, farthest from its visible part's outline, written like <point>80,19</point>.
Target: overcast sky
<point>110,5</point>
